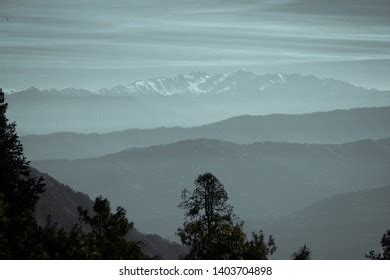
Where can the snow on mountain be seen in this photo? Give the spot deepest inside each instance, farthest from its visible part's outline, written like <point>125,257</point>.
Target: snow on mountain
<point>200,83</point>
<point>280,80</point>
<point>8,91</point>
<point>193,83</point>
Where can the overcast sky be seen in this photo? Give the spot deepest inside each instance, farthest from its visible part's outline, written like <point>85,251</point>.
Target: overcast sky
<point>101,43</point>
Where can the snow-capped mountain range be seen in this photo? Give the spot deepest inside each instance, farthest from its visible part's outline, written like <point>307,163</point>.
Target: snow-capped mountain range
<point>183,100</point>
<point>200,83</point>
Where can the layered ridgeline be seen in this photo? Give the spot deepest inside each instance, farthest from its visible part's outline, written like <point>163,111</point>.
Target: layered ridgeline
<point>61,202</point>
<point>332,127</point>
<point>344,226</point>
<point>263,179</point>
<point>184,100</point>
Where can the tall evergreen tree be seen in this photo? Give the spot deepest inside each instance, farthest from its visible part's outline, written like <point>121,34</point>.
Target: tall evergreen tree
<point>19,193</point>
<point>211,230</point>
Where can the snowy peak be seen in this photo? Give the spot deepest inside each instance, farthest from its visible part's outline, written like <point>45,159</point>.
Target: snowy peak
<point>280,79</point>
<point>197,83</point>
<point>8,91</point>
<point>192,83</point>
<point>241,82</point>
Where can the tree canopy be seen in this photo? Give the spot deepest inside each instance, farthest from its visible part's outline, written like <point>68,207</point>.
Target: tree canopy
<point>19,193</point>
<point>108,232</point>
<point>210,228</point>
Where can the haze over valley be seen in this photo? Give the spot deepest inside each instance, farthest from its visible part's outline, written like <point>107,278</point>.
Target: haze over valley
<point>184,100</point>
<point>303,173</point>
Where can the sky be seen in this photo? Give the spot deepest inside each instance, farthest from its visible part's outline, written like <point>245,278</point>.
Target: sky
<point>102,43</point>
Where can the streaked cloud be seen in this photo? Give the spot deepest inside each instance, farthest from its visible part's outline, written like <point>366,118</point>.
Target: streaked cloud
<point>151,35</point>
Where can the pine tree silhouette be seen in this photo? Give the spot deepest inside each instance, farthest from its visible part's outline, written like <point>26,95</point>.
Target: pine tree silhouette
<point>19,193</point>
<point>211,230</point>
<point>107,238</point>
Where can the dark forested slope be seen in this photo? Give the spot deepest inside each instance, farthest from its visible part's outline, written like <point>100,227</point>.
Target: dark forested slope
<point>61,202</point>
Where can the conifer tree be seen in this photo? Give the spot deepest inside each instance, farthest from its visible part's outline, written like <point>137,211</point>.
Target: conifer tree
<point>19,193</point>
<point>211,230</point>
<point>107,238</point>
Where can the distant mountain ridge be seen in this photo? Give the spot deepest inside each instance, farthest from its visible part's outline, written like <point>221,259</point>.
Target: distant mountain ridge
<point>66,92</point>
<point>331,127</point>
<point>195,83</point>
<point>255,175</point>
<point>344,226</point>
<point>184,100</point>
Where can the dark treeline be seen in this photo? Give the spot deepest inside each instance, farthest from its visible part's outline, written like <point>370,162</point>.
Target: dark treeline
<point>385,255</point>
<point>210,230</point>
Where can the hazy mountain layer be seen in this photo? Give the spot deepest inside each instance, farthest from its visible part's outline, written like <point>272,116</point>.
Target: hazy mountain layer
<point>194,83</point>
<point>61,202</point>
<point>263,179</point>
<point>326,127</point>
<point>345,226</point>
<point>184,100</point>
